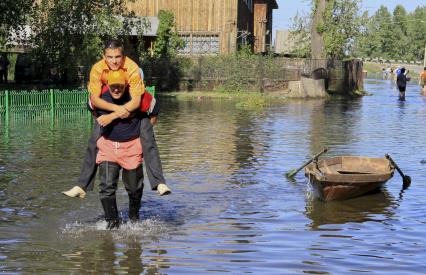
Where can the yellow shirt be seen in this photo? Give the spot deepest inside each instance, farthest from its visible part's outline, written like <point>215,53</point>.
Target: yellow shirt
<point>133,77</point>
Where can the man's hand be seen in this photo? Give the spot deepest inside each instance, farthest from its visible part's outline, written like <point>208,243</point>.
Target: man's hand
<point>105,120</point>
<point>121,111</point>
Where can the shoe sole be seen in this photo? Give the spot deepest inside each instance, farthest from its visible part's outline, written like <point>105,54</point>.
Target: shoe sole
<point>81,196</point>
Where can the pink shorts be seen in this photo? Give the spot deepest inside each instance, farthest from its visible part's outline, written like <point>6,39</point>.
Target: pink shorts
<point>127,154</point>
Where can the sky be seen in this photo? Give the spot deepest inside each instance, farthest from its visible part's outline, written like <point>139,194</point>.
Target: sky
<point>282,17</point>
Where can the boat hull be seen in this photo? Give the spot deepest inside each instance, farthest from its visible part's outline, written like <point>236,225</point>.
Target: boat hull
<point>345,177</point>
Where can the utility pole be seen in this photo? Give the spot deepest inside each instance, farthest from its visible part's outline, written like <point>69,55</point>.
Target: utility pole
<point>424,57</point>
<point>424,62</point>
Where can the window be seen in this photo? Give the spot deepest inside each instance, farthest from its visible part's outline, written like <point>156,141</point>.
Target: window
<point>200,44</point>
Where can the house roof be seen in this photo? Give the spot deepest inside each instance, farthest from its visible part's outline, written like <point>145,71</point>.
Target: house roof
<point>271,3</point>
<point>149,24</point>
<point>274,4</point>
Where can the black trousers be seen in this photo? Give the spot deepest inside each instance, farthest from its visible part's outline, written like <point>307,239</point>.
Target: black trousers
<point>132,179</point>
<point>151,157</point>
<point>3,76</point>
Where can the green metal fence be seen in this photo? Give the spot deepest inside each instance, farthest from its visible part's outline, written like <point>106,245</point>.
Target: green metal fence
<point>3,106</point>
<point>151,90</point>
<point>39,101</point>
<point>53,102</point>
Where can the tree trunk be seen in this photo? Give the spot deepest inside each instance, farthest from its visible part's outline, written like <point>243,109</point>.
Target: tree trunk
<point>317,39</point>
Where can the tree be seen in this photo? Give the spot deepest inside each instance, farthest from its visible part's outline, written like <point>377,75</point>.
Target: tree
<point>376,41</point>
<point>416,32</point>
<point>317,29</point>
<point>168,41</point>
<point>12,18</point>
<point>68,33</point>
<point>364,44</point>
<point>399,41</point>
<point>400,35</point>
<point>334,28</point>
<point>300,35</point>
<point>342,25</point>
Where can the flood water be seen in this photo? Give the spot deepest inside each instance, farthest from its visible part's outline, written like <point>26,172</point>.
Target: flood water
<point>232,209</point>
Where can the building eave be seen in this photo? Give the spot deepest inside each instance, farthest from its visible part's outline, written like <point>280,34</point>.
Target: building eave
<point>274,4</point>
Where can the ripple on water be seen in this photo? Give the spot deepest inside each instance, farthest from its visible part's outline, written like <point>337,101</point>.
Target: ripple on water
<point>148,228</point>
<point>232,209</point>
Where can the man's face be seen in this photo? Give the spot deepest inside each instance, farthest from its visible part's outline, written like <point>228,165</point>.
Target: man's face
<point>116,90</point>
<point>113,58</point>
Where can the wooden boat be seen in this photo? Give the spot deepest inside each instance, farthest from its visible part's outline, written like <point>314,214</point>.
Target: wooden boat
<point>344,177</point>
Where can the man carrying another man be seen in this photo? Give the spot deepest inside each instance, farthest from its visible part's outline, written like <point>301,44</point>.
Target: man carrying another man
<point>114,60</point>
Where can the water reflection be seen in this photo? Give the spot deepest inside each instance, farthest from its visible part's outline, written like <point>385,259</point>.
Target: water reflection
<point>231,210</point>
<point>109,255</point>
<point>374,207</point>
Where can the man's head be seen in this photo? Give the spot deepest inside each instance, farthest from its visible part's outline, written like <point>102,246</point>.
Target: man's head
<point>114,54</point>
<point>402,70</point>
<point>116,81</point>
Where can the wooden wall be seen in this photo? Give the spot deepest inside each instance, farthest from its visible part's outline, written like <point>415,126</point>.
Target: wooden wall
<point>192,16</point>
<point>263,24</point>
<point>260,22</point>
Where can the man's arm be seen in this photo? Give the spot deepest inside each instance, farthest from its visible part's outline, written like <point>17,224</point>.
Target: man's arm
<point>133,104</point>
<point>136,87</point>
<point>100,103</point>
<point>105,120</point>
<point>95,87</point>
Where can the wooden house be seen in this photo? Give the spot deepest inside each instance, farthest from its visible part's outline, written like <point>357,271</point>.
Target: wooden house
<point>215,26</point>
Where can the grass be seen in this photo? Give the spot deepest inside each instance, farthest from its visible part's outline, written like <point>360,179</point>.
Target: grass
<point>243,100</point>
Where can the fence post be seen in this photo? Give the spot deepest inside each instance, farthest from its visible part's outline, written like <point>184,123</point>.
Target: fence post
<point>7,106</point>
<point>52,105</point>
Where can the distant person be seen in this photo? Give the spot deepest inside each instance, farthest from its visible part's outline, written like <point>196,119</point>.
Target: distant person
<point>396,72</point>
<point>401,82</point>
<point>388,72</point>
<point>384,74</point>
<point>422,81</point>
<point>4,64</point>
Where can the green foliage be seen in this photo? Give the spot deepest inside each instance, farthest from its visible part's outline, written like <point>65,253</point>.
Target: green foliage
<point>416,33</point>
<point>254,103</point>
<point>376,37</point>
<point>232,72</point>
<point>69,33</point>
<point>168,41</point>
<point>399,29</point>
<point>12,17</point>
<point>245,51</point>
<point>301,36</point>
<point>163,72</point>
<point>222,73</point>
<point>341,24</point>
<point>397,36</point>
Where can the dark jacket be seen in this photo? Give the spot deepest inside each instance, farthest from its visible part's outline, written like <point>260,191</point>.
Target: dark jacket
<point>120,129</point>
<point>401,80</point>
